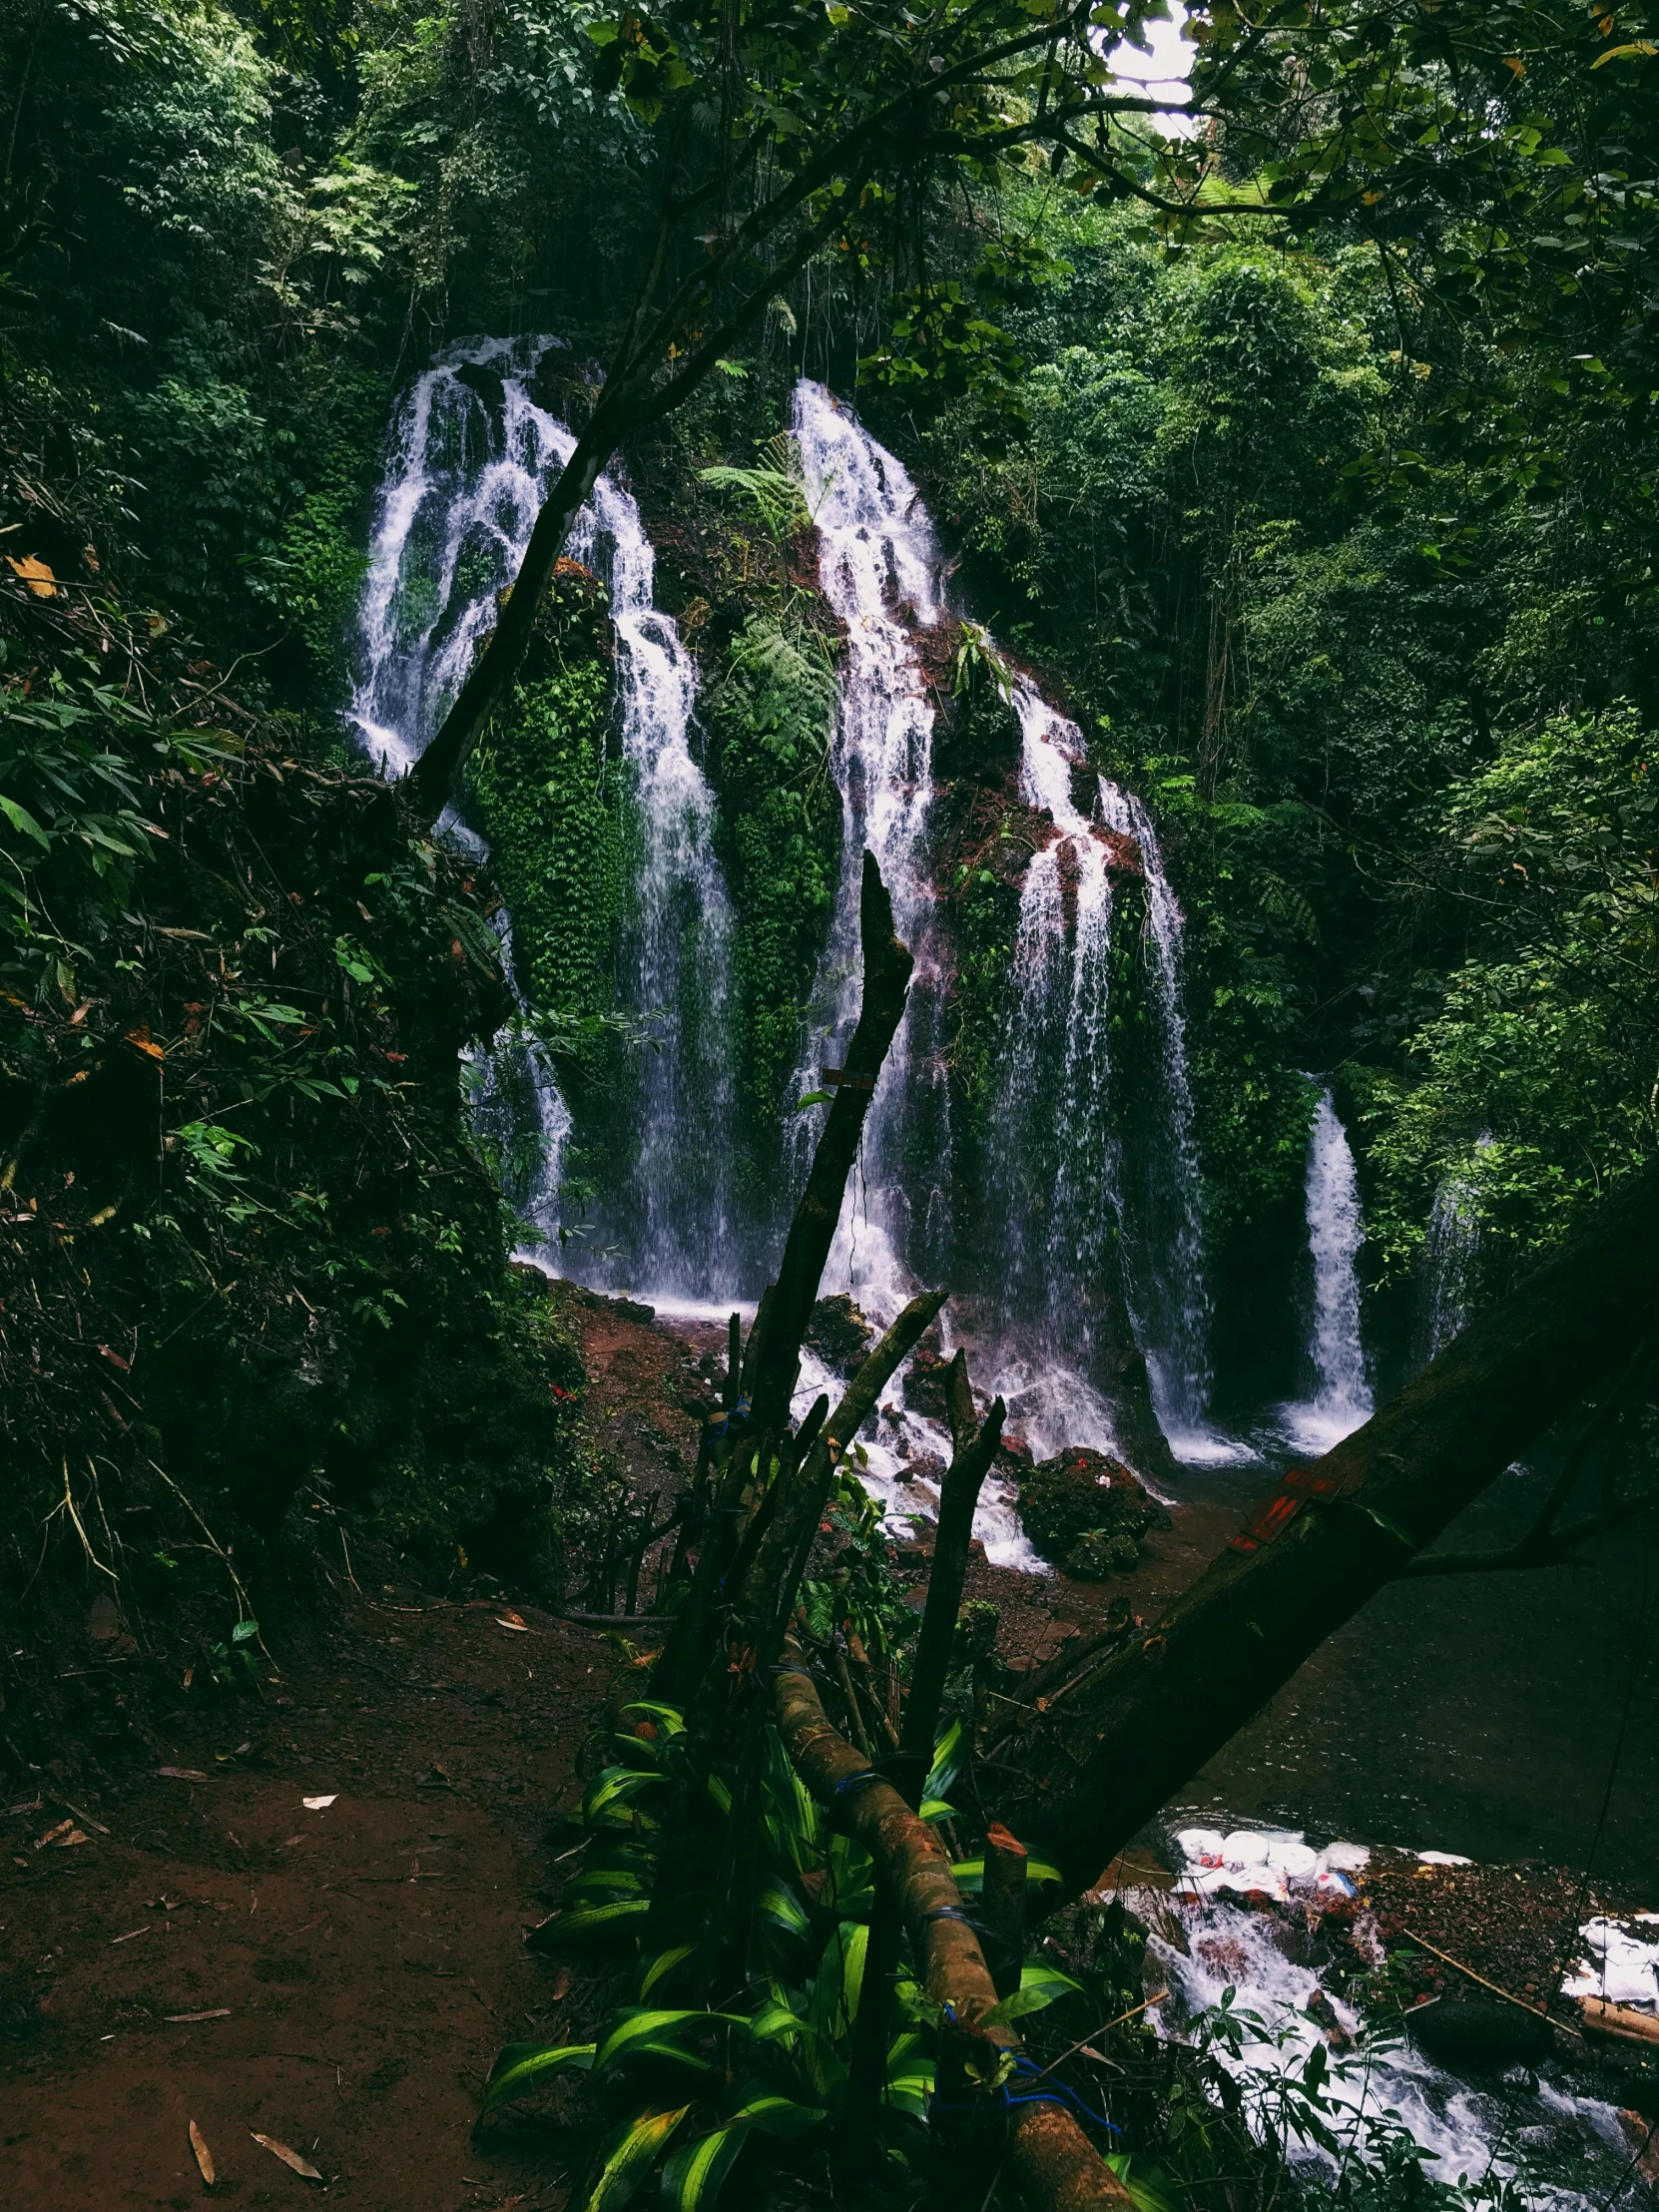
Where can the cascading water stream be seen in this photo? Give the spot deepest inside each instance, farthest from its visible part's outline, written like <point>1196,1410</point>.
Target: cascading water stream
<point>1342,1398</point>
<point>471,456</point>
<point>1054,1169</point>
<point>877,564</point>
<point>1164,1250</point>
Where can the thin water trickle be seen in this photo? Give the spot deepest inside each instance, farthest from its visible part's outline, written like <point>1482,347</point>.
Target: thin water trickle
<point>1451,1249</point>
<point>1341,1396</point>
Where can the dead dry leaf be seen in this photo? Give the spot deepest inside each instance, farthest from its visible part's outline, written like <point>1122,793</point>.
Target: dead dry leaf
<point>511,1620</point>
<point>204,2156</point>
<point>181,1774</point>
<point>52,1834</point>
<point>36,575</point>
<point>319,1804</point>
<point>186,2019</point>
<point>288,2157</point>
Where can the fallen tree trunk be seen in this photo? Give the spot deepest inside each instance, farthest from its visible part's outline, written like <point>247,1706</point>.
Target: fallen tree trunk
<point>1056,2167</point>
<point>1137,1723</point>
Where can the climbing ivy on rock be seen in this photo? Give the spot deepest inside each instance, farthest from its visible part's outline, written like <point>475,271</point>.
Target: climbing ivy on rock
<point>551,802</point>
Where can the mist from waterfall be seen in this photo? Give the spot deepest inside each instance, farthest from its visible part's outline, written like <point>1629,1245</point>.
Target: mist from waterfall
<point>1341,1396</point>
<point>471,456</point>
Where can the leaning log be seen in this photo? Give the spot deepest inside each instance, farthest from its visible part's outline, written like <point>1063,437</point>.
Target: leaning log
<point>1056,2167</point>
<point>1082,1776</point>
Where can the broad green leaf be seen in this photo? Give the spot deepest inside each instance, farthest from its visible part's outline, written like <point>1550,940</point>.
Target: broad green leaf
<point>521,2066</point>
<point>606,1878</point>
<point>1150,2186</point>
<point>635,2025</point>
<point>21,819</point>
<point>969,1873</point>
<point>663,1965</point>
<point>630,2155</point>
<point>581,1919</point>
<point>696,2173</point>
<point>668,1718</point>
<point>1039,1987</point>
<point>936,1809</point>
<point>947,1762</point>
<point>783,1909</point>
<point>833,2003</point>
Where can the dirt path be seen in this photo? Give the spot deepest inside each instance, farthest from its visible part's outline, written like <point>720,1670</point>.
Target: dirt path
<point>355,1967</point>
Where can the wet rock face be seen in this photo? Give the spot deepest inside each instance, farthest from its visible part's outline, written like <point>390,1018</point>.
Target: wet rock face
<point>839,1333</point>
<point>1085,1511</point>
<point>925,1385</point>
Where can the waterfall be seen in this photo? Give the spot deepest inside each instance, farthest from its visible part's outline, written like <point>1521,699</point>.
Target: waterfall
<point>1452,1246</point>
<point>1062,1184</point>
<point>878,568</point>
<point>1164,1250</point>
<point>1051,1160</point>
<point>1055,1183</point>
<point>471,456</point>
<point>1341,1396</point>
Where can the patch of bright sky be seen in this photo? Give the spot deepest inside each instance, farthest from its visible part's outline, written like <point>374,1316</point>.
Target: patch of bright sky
<point>1163,70</point>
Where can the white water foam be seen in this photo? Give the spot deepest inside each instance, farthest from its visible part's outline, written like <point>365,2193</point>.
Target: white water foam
<point>1464,2129</point>
<point>1342,1398</point>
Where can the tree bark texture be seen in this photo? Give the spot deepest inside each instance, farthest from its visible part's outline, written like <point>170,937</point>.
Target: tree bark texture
<point>888,966</point>
<point>1056,2165</point>
<point>1086,1776</point>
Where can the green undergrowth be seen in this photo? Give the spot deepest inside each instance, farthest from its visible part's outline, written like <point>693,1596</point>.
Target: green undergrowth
<point>254,1301</point>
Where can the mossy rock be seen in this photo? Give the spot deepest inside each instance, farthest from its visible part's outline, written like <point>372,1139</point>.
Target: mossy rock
<point>1084,1511</point>
<point>925,1389</point>
<point>839,1333</point>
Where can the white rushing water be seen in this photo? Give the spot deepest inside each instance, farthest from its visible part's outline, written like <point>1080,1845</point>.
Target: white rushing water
<point>1341,1396</point>
<point>1206,1941</point>
<point>471,456</point>
<point>1163,1254</point>
<point>472,453</point>
<point>1056,1189</point>
<point>878,568</point>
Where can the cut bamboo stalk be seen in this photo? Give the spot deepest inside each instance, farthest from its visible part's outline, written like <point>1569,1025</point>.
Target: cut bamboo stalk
<point>1002,1908</point>
<point>1055,2166</point>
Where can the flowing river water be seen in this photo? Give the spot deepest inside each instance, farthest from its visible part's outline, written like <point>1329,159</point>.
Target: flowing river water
<point>1487,1725</point>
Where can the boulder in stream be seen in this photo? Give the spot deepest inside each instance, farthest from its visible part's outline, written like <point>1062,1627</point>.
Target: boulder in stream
<point>839,1333</point>
<point>1084,1511</point>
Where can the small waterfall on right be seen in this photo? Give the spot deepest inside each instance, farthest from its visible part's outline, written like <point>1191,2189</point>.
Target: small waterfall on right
<point>1450,1248</point>
<point>1341,1396</point>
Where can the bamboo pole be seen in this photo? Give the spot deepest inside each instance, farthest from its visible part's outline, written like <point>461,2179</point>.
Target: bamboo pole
<point>1055,2166</point>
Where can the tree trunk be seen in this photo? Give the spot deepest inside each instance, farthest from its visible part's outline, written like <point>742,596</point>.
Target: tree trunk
<point>432,780</point>
<point>887,967</point>
<point>1085,1777</point>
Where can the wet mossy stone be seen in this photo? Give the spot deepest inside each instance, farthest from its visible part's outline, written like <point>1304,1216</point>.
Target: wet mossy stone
<point>839,1333</point>
<point>1084,1511</point>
